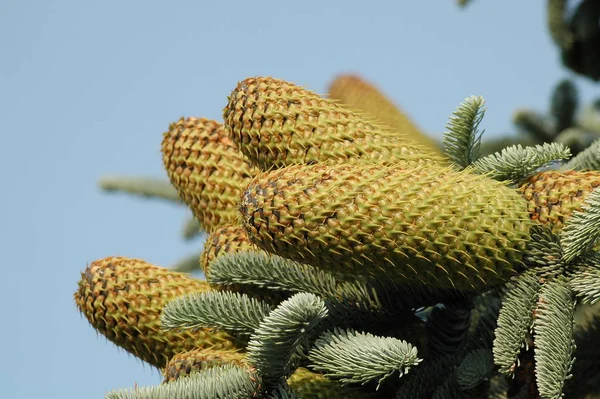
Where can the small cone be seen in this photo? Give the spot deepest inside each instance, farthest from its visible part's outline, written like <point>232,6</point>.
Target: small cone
<point>359,94</point>
<point>224,240</point>
<point>307,384</point>
<point>277,123</point>
<point>123,298</point>
<point>553,196</point>
<point>207,169</point>
<point>185,363</point>
<point>422,225</point>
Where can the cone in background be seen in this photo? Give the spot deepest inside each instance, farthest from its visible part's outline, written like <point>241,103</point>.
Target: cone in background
<point>225,239</point>
<point>122,298</point>
<point>207,169</point>
<point>356,93</point>
<point>307,384</point>
<point>553,196</point>
<point>277,124</point>
<point>425,225</point>
<point>185,363</point>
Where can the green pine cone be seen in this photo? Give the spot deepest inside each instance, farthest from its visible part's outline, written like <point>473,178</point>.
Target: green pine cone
<point>122,298</point>
<point>422,225</point>
<point>307,384</point>
<point>207,169</point>
<point>277,123</point>
<point>196,360</point>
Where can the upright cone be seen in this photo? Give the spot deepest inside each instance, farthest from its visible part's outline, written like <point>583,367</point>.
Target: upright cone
<point>123,298</point>
<point>224,240</point>
<point>277,123</point>
<point>359,94</point>
<point>421,225</point>
<point>207,169</point>
<point>196,360</point>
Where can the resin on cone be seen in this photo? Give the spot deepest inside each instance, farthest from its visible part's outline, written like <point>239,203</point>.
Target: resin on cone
<point>553,196</point>
<point>123,298</point>
<point>277,123</point>
<point>421,225</point>
<point>224,240</point>
<point>207,169</point>
<point>356,93</point>
<point>196,360</point>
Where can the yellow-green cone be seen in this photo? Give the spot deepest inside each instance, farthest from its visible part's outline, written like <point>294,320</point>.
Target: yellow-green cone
<point>307,384</point>
<point>356,93</point>
<point>196,360</point>
<point>122,298</point>
<point>553,196</point>
<point>422,225</point>
<point>277,123</point>
<point>207,169</point>
<point>225,239</point>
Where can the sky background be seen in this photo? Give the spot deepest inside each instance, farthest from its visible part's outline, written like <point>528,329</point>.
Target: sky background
<point>88,87</point>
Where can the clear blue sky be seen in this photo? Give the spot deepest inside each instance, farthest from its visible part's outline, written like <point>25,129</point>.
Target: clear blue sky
<point>88,87</point>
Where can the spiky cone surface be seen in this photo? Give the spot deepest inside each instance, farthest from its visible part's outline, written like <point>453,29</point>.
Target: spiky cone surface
<point>553,196</point>
<point>196,360</point>
<point>359,94</point>
<point>226,239</point>
<point>277,123</point>
<point>307,384</point>
<point>123,298</point>
<point>424,225</point>
<point>207,169</point>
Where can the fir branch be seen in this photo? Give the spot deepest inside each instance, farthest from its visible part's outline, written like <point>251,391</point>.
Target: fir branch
<point>426,379</point>
<point>564,104</point>
<point>544,252</point>
<point>270,271</point>
<point>224,310</point>
<point>191,228</point>
<point>188,264</point>
<point>219,382</point>
<point>515,321</point>
<point>475,369</point>
<point>283,334</point>
<point>588,159</point>
<point>586,370</point>
<point>462,140</point>
<point>448,326</point>
<point>557,24</point>
<point>484,317</point>
<point>141,186</point>
<point>585,278</point>
<point>516,162</point>
<point>282,391</point>
<point>353,357</point>
<point>535,124</point>
<point>554,345</point>
<point>582,229</point>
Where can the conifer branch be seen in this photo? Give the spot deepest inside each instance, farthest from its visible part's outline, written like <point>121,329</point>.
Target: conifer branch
<point>353,357</point>
<point>516,162</point>
<point>224,310</point>
<point>147,187</point>
<point>283,334</point>
<point>191,228</point>
<point>448,327</point>
<point>582,229</point>
<point>585,279</point>
<point>557,24</point>
<point>554,345</point>
<point>219,382</point>
<point>515,321</point>
<point>426,379</point>
<point>484,317</point>
<point>462,140</point>
<point>588,159</point>
<point>475,369</point>
<point>535,124</point>
<point>564,104</point>
<point>190,263</point>
<point>544,252</point>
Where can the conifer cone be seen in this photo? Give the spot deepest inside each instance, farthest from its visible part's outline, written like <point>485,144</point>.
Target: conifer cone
<point>277,123</point>
<point>553,196</point>
<point>225,239</point>
<point>307,384</point>
<point>422,225</point>
<point>185,363</point>
<point>122,298</point>
<point>359,94</point>
<point>207,169</point>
